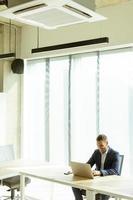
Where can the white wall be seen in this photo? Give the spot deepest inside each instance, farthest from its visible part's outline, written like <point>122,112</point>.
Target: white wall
<point>1,67</point>
<point>10,110</point>
<point>10,97</point>
<point>118,27</point>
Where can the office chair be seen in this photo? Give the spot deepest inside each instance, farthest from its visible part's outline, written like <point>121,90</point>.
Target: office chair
<point>14,185</point>
<point>7,154</point>
<point>121,158</point>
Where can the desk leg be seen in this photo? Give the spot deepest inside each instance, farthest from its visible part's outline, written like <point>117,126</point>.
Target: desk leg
<point>22,186</point>
<point>90,195</point>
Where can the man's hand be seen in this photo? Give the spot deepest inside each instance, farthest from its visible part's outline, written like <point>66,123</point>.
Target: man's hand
<point>96,173</point>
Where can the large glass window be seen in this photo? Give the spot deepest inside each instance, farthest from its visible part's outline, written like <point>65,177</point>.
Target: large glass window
<point>83,106</point>
<point>58,110</point>
<point>67,98</point>
<point>33,146</point>
<point>116,108</point>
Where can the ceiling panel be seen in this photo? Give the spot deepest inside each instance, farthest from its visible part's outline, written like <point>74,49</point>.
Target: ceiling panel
<point>103,3</point>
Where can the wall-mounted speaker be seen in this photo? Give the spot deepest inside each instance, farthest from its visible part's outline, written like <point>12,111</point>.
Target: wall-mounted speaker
<point>17,66</point>
<point>4,2</point>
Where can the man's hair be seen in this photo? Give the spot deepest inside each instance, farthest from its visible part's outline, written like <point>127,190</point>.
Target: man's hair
<point>101,137</point>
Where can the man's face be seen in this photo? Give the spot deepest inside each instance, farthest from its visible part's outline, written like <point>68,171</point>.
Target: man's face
<point>102,145</point>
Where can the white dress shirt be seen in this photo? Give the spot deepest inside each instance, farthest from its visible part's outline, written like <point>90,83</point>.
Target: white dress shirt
<point>103,157</point>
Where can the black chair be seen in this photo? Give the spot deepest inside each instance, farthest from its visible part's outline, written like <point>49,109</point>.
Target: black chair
<point>121,158</point>
<point>14,185</point>
<point>7,154</point>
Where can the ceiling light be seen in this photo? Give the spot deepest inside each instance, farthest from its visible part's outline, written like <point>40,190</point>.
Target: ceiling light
<point>71,45</point>
<point>7,56</point>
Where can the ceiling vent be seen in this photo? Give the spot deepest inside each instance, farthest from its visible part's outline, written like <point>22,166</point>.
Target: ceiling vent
<point>51,14</point>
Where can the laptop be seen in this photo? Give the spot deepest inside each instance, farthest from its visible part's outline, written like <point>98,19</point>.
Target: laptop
<point>81,169</point>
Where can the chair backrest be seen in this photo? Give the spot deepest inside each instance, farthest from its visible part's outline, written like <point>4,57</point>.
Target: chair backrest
<point>121,158</point>
<point>6,153</point>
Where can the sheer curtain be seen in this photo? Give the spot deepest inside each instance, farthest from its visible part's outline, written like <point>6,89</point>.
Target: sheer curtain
<point>82,85</point>
<point>58,110</point>
<point>72,115</point>
<point>116,109</point>
<point>83,106</point>
<point>33,145</point>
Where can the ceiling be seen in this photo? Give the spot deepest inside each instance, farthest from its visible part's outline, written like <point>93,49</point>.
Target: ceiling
<point>98,3</point>
<point>104,3</point>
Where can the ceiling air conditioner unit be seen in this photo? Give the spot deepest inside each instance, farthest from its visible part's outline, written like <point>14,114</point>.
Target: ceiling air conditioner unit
<point>51,14</point>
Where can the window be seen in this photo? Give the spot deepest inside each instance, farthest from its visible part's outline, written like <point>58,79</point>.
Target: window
<point>116,110</point>
<point>82,91</point>
<point>58,110</point>
<point>34,111</point>
<point>83,106</point>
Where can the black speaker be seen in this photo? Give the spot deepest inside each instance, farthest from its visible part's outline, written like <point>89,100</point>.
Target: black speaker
<point>4,2</point>
<point>17,66</point>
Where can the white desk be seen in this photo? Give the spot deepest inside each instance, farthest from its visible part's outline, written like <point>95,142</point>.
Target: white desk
<point>7,173</point>
<point>12,168</point>
<point>116,186</point>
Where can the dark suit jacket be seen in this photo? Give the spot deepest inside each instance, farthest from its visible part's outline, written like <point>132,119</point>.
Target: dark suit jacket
<point>111,164</point>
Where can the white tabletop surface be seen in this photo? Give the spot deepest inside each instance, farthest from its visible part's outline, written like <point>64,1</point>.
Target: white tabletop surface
<point>113,185</point>
<point>11,168</point>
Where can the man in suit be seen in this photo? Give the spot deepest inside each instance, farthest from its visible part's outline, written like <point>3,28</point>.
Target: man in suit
<point>107,163</point>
